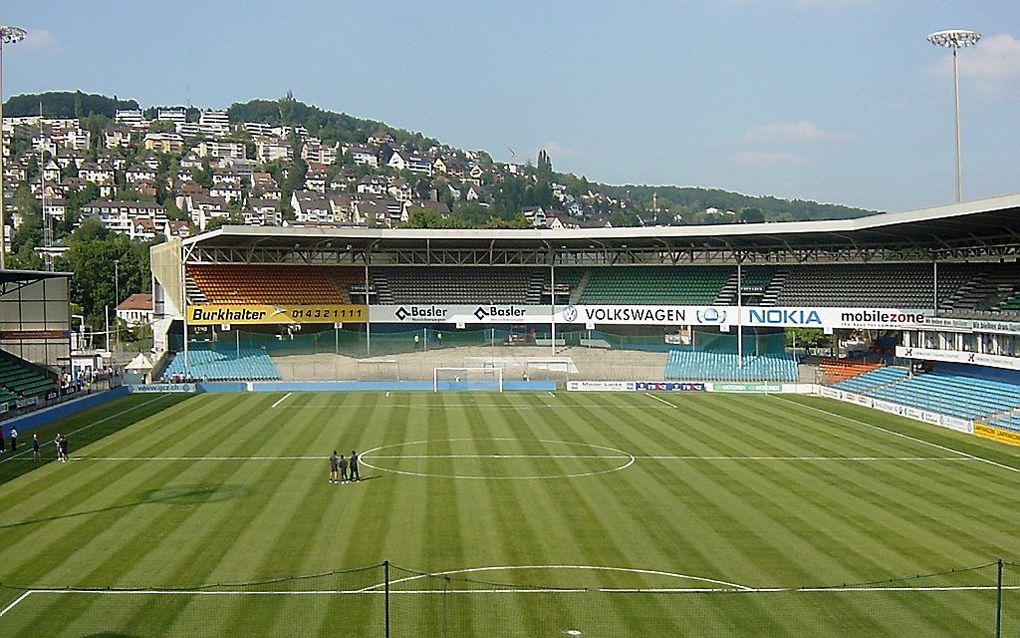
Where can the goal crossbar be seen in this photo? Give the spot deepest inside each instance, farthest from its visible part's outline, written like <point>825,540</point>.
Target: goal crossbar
<point>459,379</point>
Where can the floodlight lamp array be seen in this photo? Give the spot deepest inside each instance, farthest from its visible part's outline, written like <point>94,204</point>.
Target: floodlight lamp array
<point>954,38</point>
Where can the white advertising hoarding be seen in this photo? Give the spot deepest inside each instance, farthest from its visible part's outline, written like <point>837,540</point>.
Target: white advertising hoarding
<point>959,356</point>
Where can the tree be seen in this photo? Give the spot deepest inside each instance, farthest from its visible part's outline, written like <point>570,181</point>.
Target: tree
<point>751,216</point>
<point>234,219</point>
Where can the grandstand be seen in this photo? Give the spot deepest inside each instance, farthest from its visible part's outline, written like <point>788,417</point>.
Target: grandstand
<point>668,304</point>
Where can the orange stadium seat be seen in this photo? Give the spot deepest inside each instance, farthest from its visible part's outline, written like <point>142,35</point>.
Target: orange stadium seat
<point>243,284</point>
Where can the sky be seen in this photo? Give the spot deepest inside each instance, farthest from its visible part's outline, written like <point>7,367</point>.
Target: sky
<point>833,100</point>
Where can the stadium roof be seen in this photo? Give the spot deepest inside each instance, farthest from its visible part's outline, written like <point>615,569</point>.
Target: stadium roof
<point>980,223</point>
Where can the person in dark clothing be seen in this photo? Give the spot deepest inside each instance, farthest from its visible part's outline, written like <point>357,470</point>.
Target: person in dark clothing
<point>334,461</point>
<point>3,444</point>
<point>35,447</point>
<point>343,468</point>
<point>63,448</point>
<point>14,440</point>
<point>355,475</point>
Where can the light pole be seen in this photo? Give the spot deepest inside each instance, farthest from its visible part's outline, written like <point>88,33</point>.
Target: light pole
<point>954,39</point>
<point>8,35</point>
<point>116,295</point>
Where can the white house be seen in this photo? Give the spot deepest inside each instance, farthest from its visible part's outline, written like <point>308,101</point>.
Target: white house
<point>310,206</point>
<point>136,310</point>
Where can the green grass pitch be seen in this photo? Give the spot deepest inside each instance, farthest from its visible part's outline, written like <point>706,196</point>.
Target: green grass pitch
<point>507,515</point>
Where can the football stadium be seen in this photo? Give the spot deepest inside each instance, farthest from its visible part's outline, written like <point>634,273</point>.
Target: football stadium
<point>609,432</point>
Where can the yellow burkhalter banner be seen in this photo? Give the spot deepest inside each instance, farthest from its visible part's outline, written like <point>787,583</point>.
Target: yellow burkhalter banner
<point>215,314</point>
<point>996,434</point>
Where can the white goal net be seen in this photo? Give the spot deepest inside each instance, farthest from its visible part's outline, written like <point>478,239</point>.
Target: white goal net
<point>379,370</point>
<point>460,379</point>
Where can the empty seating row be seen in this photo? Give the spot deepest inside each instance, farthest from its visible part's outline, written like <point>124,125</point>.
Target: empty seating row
<point>253,364</point>
<point>695,285</point>
<point>872,379</point>
<point>689,365</point>
<point>460,285</point>
<point>19,378</point>
<point>834,370</point>
<point>954,395</point>
<point>255,284</point>
<point>1009,421</point>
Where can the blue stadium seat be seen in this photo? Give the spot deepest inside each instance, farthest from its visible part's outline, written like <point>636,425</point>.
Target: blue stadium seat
<point>953,395</point>
<point>687,365</point>
<point>252,365</point>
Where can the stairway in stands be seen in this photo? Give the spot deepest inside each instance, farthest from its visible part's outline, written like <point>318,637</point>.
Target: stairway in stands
<point>194,294</point>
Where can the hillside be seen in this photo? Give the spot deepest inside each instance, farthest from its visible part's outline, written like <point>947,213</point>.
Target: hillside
<point>526,186</point>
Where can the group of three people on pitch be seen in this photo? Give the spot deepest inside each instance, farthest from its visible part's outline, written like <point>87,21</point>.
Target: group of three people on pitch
<point>342,470</point>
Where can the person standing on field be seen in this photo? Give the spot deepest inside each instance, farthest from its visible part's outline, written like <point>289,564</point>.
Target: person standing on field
<point>355,475</point>
<point>35,447</point>
<point>343,468</point>
<point>14,440</point>
<point>3,444</point>
<point>334,461</point>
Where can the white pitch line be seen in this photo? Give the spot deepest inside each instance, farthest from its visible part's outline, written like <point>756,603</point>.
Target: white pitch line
<point>282,400</point>
<point>653,457</point>
<point>552,395</point>
<point>16,601</point>
<point>86,427</point>
<point>509,590</point>
<point>944,448</point>
<point>660,400</point>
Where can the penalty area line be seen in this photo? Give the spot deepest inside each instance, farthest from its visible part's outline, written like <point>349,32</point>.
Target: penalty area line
<point>279,401</point>
<point>16,601</point>
<point>652,396</point>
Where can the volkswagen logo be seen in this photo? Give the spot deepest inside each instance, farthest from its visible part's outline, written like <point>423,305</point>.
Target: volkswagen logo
<point>711,315</point>
<point>570,314</point>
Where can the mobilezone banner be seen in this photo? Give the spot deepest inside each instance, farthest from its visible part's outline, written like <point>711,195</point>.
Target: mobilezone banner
<point>643,315</point>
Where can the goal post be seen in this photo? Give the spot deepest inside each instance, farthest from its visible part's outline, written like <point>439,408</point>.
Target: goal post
<point>463,379</point>
<point>378,370</point>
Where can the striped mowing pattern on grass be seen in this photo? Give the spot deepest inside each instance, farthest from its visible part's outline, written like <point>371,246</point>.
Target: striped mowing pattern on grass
<point>534,495</point>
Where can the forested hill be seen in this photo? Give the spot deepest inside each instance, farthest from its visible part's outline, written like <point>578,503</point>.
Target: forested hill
<point>65,104</point>
<point>623,205</point>
<point>700,199</point>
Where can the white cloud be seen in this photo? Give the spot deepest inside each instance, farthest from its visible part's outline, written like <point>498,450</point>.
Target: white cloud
<point>757,159</point>
<point>791,132</point>
<point>994,64</point>
<point>39,40</point>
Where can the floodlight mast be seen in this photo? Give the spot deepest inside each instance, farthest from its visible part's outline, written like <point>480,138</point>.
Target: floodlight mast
<point>8,35</point>
<point>955,39</point>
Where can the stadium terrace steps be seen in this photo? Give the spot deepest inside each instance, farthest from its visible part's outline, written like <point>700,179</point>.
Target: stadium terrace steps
<point>689,365</point>
<point>270,285</point>
<point>694,285</point>
<point>862,383</point>
<point>459,285</point>
<point>21,378</point>
<point>953,395</point>
<point>252,365</point>
<point>834,370</point>
<point>1008,421</point>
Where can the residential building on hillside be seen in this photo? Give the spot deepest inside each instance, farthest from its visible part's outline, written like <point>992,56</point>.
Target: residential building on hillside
<point>272,149</point>
<point>362,155</point>
<point>213,148</point>
<point>136,310</point>
<point>315,152</point>
<point>132,118</point>
<point>121,216</point>
<point>164,143</point>
<point>310,206</point>
<point>214,123</point>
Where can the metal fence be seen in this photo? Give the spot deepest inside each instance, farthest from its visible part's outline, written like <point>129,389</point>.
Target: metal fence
<point>385,600</point>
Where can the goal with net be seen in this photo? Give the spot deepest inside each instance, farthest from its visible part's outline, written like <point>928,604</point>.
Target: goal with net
<point>378,370</point>
<point>490,379</point>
